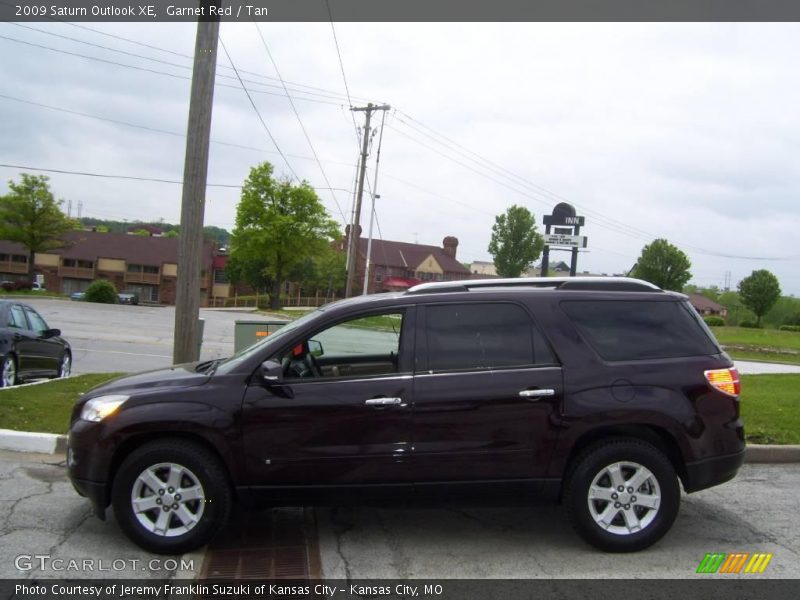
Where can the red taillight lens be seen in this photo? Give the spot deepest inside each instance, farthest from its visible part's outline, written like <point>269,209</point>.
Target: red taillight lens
<point>725,380</point>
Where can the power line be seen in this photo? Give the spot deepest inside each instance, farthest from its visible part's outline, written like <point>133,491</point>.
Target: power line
<point>148,70</point>
<point>134,177</point>
<point>300,121</point>
<point>321,92</point>
<point>157,130</point>
<point>258,113</point>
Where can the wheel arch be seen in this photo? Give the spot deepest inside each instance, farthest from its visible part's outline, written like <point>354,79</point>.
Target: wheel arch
<point>131,444</point>
<point>656,436</point>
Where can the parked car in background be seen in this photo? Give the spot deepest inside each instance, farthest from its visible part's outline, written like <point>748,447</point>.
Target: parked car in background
<point>29,348</point>
<point>128,297</point>
<point>77,295</point>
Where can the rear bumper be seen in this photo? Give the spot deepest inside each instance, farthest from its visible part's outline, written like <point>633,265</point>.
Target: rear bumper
<point>712,471</point>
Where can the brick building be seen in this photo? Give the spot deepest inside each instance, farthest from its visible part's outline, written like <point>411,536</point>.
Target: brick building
<point>147,265</point>
<point>397,266</point>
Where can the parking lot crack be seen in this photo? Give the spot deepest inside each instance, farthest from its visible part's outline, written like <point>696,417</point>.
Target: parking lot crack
<point>340,529</point>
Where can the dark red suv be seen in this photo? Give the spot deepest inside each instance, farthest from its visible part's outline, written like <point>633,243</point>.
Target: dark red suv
<point>599,393</point>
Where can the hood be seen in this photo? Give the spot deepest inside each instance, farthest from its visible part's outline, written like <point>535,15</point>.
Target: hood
<point>176,376</point>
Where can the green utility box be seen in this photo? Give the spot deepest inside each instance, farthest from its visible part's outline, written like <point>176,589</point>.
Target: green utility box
<point>247,333</point>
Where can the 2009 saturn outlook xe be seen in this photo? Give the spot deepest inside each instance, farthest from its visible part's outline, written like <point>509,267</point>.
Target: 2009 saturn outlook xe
<point>601,394</point>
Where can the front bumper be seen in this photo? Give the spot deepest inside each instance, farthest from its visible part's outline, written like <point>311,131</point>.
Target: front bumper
<point>712,471</point>
<point>96,492</point>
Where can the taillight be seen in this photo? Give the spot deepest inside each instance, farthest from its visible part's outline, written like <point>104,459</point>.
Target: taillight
<point>725,380</point>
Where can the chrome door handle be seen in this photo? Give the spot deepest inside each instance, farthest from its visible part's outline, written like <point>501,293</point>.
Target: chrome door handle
<point>383,401</point>
<point>537,393</point>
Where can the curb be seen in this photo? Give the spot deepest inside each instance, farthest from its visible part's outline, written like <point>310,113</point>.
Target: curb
<point>51,443</point>
<point>26,441</point>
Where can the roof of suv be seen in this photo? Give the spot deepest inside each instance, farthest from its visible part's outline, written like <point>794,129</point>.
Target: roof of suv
<point>605,284</point>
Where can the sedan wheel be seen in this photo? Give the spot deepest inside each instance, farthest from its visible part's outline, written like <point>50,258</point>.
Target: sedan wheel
<point>65,367</point>
<point>8,372</point>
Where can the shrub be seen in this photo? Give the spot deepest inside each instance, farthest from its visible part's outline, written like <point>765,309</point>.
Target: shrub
<point>102,291</point>
<point>714,321</point>
<point>792,319</point>
<point>795,328</point>
<point>749,325</point>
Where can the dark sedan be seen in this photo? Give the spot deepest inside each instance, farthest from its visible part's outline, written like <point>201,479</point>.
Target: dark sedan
<point>29,349</point>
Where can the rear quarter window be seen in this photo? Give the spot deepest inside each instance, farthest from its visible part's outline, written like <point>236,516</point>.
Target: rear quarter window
<point>638,330</point>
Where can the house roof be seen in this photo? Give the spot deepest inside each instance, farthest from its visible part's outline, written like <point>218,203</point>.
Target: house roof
<point>409,256</point>
<point>136,249</point>
<point>700,302</point>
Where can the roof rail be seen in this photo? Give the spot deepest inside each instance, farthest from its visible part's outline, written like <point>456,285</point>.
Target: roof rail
<point>610,284</point>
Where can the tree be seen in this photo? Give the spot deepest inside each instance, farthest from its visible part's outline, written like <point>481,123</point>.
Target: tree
<point>31,216</point>
<point>515,243</point>
<point>278,226</point>
<point>102,291</point>
<point>759,292</point>
<point>664,265</point>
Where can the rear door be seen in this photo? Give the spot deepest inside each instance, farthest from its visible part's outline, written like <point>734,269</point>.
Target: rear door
<point>485,393</point>
<point>48,350</point>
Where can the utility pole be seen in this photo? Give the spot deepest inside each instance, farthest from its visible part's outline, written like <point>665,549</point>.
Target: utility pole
<point>372,210</point>
<point>186,344</point>
<point>352,256</point>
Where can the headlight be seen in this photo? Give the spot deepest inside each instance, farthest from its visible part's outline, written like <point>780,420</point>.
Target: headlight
<point>99,408</point>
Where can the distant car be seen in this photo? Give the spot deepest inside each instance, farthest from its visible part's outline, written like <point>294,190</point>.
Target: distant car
<point>77,295</point>
<point>128,297</point>
<point>29,349</point>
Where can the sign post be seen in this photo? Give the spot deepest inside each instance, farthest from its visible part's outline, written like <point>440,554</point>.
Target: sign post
<point>565,235</point>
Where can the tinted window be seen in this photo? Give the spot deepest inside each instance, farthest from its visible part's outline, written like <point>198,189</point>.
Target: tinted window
<point>631,330</point>
<point>482,336</point>
<point>16,318</point>
<point>37,323</point>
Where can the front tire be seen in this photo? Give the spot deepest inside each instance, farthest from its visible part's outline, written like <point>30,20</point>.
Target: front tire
<point>622,495</point>
<point>171,496</point>
<point>8,371</point>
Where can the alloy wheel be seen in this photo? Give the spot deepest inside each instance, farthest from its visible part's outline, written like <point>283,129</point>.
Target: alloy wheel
<point>9,374</point>
<point>168,499</point>
<point>624,498</point>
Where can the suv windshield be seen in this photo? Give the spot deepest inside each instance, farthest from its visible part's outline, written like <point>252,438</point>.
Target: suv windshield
<point>243,355</point>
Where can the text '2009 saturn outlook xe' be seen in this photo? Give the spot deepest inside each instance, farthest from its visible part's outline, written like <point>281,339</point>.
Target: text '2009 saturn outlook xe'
<point>603,394</point>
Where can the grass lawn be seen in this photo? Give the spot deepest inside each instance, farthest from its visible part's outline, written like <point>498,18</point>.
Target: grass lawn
<point>761,344</point>
<point>771,408</point>
<point>45,407</point>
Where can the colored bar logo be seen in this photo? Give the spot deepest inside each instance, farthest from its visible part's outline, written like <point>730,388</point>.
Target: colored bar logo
<point>735,563</point>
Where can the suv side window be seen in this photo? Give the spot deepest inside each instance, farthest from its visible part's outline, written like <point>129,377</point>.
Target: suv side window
<point>483,336</point>
<point>363,346</point>
<point>636,330</point>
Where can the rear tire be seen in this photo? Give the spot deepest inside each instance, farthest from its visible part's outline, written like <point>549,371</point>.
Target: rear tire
<point>171,496</point>
<point>622,495</point>
<point>65,365</point>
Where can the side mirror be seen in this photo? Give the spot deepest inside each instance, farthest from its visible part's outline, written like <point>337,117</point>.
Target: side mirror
<point>271,371</point>
<point>315,348</point>
<point>51,333</point>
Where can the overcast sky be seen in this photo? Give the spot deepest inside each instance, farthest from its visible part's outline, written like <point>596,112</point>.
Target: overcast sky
<point>687,132</point>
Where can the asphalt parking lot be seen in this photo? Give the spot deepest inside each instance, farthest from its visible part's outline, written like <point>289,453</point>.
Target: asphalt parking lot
<point>113,337</point>
<point>41,515</point>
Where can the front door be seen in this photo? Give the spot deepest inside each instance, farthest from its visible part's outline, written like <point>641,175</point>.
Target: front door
<point>341,413</point>
<point>485,394</point>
